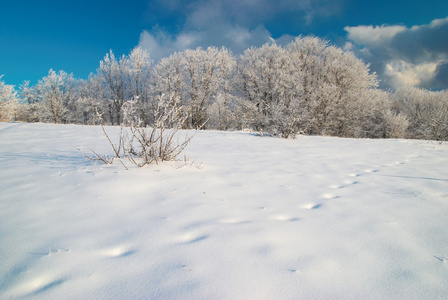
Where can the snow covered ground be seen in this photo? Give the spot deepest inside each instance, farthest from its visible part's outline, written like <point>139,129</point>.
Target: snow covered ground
<point>246,218</point>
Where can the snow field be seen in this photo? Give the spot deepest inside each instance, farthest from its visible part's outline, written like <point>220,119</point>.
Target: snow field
<point>246,218</point>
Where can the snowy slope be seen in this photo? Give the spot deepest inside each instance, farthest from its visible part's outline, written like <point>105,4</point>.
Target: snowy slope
<point>246,218</point>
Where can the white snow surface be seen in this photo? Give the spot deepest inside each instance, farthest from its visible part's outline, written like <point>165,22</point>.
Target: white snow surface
<point>246,217</point>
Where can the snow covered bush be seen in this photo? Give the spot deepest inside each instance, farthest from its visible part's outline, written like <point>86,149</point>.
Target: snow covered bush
<point>143,145</point>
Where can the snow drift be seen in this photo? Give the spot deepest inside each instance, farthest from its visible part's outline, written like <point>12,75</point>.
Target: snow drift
<point>245,218</point>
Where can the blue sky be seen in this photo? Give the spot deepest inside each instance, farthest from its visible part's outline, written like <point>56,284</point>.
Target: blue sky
<point>406,42</point>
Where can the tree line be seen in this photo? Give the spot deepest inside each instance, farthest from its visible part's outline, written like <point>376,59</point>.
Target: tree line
<point>306,87</point>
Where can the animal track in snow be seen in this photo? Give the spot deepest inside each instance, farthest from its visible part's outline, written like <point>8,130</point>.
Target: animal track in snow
<point>262,250</point>
<point>344,184</point>
<point>234,221</point>
<point>50,251</point>
<point>190,238</point>
<point>40,284</point>
<point>286,218</point>
<point>395,163</point>
<point>119,251</point>
<point>312,206</point>
<point>354,174</point>
<point>350,182</point>
<point>336,186</point>
<point>329,196</point>
<point>357,175</point>
<point>442,259</point>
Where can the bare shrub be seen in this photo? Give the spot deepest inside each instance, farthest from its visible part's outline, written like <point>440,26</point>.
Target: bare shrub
<point>145,145</point>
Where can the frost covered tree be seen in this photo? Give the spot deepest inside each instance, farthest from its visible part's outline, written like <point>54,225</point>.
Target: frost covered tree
<point>140,67</point>
<point>8,101</point>
<point>202,78</point>
<point>31,110</point>
<point>305,87</point>
<point>114,77</point>
<point>223,111</point>
<point>426,111</point>
<point>194,80</point>
<point>167,82</point>
<point>378,119</point>
<point>333,84</point>
<point>257,70</point>
<point>216,103</point>
<point>307,57</point>
<point>124,79</point>
<point>90,101</point>
<point>308,86</point>
<point>266,81</point>
<point>57,93</point>
<point>347,83</point>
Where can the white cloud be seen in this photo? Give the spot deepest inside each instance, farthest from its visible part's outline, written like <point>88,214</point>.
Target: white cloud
<point>373,35</point>
<point>156,44</point>
<point>403,56</point>
<point>401,73</point>
<point>239,35</point>
<point>235,24</point>
<point>161,44</point>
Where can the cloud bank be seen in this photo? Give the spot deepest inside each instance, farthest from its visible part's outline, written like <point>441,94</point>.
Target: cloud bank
<point>235,24</point>
<point>402,56</point>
